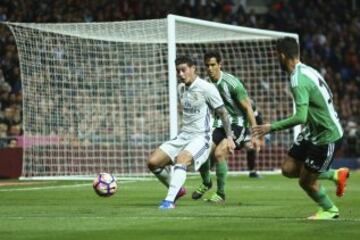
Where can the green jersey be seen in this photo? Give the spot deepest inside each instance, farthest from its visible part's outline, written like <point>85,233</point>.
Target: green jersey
<point>232,91</point>
<point>314,107</point>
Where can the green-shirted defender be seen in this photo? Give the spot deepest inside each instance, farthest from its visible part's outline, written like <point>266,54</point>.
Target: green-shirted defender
<point>239,108</point>
<point>312,153</point>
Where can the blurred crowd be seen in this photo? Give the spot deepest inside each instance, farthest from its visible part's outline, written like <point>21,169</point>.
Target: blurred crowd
<point>329,35</point>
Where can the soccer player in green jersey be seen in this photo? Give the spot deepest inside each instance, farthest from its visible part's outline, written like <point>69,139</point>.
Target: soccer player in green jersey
<point>238,106</point>
<point>312,153</point>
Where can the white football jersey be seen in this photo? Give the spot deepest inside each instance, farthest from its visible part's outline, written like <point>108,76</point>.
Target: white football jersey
<point>197,101</point>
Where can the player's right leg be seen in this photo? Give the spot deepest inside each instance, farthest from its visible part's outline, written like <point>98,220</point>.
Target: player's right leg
<point>251,154</point>
<point>167,154</point>
<point>183,160</point>
<point>339,177</point>
<point>318,160</point>
<point>158,164</point>
<point>309,182</point>
<point>195,149</point>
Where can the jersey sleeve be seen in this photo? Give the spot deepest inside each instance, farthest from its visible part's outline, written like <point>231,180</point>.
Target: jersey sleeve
<point>240,92</point>
<point>213,97</point>
<point>301,99</point>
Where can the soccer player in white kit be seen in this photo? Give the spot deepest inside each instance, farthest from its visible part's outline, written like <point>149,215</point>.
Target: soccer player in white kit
<point>192,145</point>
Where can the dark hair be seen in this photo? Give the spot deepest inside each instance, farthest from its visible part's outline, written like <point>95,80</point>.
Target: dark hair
<point>184,59</point>
<point>213,54</point>
<point>289,47</point>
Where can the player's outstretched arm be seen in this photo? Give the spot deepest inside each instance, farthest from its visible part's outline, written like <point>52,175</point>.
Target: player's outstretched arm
<point>298,118</point>
<point>301,98</point>
<point>223,115</point>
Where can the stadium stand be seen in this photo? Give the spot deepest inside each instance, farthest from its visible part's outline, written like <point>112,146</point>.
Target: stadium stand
<point>330,42</point>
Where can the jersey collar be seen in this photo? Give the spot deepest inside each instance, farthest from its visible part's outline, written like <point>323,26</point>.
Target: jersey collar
<point>193,83</point>
<point>221,78</point>
<point>295,68</point>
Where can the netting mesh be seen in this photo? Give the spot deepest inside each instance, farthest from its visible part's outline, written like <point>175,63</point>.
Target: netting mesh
<point>255,63</point>
<point>96,95</point>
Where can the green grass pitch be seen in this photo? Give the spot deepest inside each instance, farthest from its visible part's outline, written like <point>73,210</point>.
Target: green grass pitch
<point>269,208</point>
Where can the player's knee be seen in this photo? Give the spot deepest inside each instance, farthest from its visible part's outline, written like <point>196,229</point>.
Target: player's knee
<point>220,153</point>
<point>152,162</point>
<point>219,156</point>
<point>287,170</point>
<point>184,158</point>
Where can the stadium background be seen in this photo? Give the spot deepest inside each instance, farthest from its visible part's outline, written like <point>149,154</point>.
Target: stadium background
<point>330,43</point>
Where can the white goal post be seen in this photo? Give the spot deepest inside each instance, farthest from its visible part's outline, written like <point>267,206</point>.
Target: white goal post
<point>99,97</point>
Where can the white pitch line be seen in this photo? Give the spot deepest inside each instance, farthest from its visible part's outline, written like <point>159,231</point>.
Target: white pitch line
<point>194,218</point>
<point>51,187</point>
<point>45,187</point>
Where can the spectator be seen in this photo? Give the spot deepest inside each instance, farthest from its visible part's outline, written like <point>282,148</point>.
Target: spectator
<point>330,42</point>
<point>12,143</point>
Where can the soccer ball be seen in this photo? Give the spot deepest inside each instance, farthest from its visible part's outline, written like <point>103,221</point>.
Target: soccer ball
<point>105,185</point>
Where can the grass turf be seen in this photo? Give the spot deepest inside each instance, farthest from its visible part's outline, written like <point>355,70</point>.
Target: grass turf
<point>269,208</point>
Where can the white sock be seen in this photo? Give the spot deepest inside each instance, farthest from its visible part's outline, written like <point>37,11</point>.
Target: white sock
<point>177,181</point>
<point>163,174</point>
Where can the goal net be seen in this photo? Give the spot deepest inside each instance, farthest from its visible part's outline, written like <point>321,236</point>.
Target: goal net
<point>99,97</point>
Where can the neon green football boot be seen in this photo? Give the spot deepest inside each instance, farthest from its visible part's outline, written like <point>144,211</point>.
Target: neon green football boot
<point>216,198</point>
<point>200,191</point>
<point>322,214</point>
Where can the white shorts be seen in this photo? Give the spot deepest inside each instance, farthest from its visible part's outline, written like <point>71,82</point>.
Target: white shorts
<point>198,145</point>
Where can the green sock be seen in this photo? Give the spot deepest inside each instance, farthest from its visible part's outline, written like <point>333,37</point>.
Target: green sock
<point>205,173</point>
<point>330,175</point>
<point>221,173</point>
<point>322,198</point>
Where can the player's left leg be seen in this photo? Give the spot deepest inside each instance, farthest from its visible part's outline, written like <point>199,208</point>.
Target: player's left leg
<point>309,182</point>
<point>319,159</point>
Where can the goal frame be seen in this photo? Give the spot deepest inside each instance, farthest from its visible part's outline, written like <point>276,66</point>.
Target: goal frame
<point>172,21</point>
